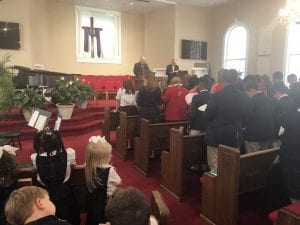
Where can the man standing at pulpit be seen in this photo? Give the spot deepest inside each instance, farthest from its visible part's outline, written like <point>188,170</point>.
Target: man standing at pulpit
<point>141,68</point>
<point>172,69</point>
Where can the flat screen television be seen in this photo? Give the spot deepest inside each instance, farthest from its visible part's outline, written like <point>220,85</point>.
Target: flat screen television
<point>193,49</point>
<point>9,36</point>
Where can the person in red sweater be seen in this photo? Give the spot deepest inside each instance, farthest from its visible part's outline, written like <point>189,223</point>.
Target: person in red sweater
<point>174,98</point>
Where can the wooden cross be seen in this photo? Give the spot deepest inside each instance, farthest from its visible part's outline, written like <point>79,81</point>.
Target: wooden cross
<point>93,32</point>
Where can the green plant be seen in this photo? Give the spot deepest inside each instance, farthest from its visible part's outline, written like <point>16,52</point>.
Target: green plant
<point>29,98</point>
<point>6,85</point>
<point>83,91</point>
<point>64,92</point>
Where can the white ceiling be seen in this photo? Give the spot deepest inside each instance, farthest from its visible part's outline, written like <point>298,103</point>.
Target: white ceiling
<point>140,6</point>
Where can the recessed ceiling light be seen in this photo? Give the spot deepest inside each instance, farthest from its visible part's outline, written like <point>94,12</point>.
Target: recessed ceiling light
<point>131,3</point>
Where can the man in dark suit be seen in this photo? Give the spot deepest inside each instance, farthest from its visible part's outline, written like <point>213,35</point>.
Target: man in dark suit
<point>259,125</point>
<point>172,69</point>
<point>141,68</point>
<point>224,114</point>
<point>284,103</point>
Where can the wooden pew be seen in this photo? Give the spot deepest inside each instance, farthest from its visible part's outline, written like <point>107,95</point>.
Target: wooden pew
<point>111,122</point>
<point>77,181</point>
<point>286,217</point>
<point>25,170</point>
<point>159,209</point>
<point>25,173</point>
<point>125,131</point>
<point>184,151</point>
<point>155,137</point>
<point>237,174</point>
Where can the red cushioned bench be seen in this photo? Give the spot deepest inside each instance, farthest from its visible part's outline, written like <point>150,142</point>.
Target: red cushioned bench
<point>105,85</point>
<point>288,215</point>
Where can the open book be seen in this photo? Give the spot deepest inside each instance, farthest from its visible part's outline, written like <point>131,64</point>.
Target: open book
<point>39,119</point>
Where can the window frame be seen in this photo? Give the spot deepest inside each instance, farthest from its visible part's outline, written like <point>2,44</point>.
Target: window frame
<point>229,29</point>
<point>287,54</point>
<point>93,11</point>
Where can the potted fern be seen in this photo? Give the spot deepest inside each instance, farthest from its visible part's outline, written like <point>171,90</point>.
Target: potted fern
<point>28,100</point>
<point>63,95</point>
<point>83,93</point>
<point>6,88</point>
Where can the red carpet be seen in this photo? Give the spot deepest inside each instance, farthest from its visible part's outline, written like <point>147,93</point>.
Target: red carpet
<point>186,212</point>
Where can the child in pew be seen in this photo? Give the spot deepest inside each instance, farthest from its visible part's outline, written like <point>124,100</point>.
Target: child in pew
<point>31,205</point>
<point>101,178</point>
<point>129,206</point>
<point>53,163</point>
<point>126,99</point>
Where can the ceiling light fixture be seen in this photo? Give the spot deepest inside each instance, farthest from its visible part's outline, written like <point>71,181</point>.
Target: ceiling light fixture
<point>291,12</point>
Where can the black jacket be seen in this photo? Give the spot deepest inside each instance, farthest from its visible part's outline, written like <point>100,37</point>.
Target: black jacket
<point>169,70</point>
<point>224,114</point>
<point>260,119</point>
<point>140,69</point>
<point>197,118</point>
<point>48,220</point>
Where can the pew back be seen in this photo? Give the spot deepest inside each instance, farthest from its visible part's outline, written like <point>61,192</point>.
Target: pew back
<point>236,175</point>
<point>185,150</point>
<point>256,177</point>
<point>286,217</point>
<point>111,122</point>
<point>152,137</point>
<point>125,131</point>
<point>159,209</point>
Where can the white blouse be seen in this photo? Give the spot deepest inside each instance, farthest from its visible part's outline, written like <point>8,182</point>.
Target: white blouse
<point>126,99</point>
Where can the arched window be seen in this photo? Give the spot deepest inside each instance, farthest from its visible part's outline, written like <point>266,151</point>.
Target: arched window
<point>235,49</point>
<point>293,50</point>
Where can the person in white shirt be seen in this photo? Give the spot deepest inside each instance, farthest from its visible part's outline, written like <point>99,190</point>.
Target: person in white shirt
<point>126,98</point>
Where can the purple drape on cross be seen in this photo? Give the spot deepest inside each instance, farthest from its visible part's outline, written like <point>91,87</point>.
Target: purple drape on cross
<point>92,32</point>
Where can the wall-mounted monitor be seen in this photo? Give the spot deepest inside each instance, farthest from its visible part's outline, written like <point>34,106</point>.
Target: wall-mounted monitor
<point>9,36</point>
<point>193,49</point>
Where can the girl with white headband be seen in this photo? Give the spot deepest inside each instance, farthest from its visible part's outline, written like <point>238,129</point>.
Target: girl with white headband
<point>101,178</point>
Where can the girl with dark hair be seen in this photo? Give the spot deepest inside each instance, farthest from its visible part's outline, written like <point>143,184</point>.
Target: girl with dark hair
<point>53,163</point>
<point>126,98</point>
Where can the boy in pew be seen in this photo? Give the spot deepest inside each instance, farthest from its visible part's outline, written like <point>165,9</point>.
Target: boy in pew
<point>30,205</point>
<point>224,114</point>
<point>260,119</point>
<point>129,206</point>
<point>197,122</point>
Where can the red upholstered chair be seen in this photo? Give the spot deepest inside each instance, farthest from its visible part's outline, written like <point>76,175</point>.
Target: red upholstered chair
<point>294,208</point>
